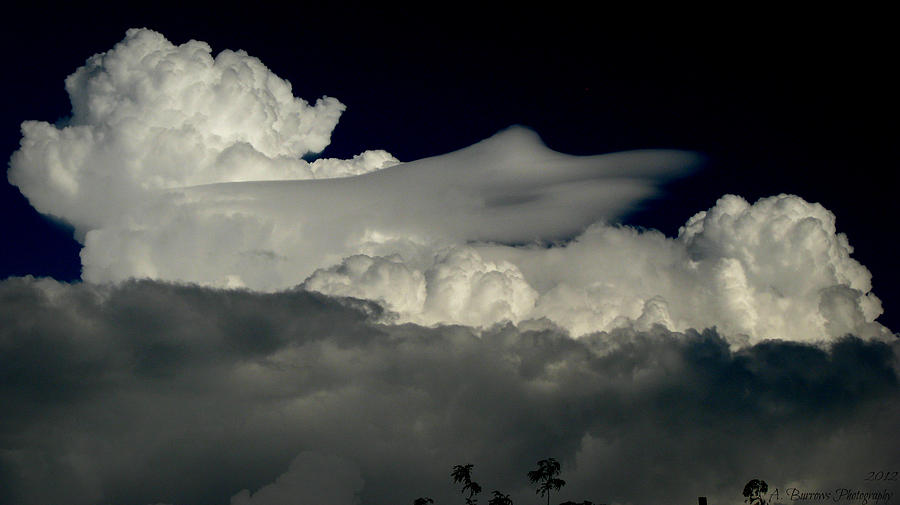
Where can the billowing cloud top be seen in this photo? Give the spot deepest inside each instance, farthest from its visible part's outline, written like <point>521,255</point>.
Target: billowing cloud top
<point>183,167</point>
<point>148,114</point>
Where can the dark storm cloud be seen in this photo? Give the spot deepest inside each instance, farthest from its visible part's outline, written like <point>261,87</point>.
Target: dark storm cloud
<point>149,392</point>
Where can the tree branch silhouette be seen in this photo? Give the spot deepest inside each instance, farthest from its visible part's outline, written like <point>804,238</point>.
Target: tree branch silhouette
<point>462,474</point>
<point>545,477</point>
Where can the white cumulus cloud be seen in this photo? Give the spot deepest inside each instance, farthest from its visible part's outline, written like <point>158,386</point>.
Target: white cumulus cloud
<point>149,114</point>
<point>458,288</point>
<point>773,269</point>
<point>180,166</point>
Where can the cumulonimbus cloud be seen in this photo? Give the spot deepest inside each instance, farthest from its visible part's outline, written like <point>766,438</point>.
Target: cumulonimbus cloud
<point>180,166</point>
<point>397,319</point>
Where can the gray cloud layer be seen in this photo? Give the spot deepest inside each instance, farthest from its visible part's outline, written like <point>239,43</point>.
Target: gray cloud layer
<point>149,392</point>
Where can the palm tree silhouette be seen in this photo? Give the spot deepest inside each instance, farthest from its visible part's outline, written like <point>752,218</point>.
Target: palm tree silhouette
<point>462,474</point>
<point>545,477</point>
<point>500,499</point>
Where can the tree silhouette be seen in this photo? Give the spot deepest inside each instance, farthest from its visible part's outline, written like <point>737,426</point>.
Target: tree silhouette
<point>422,501</point>
<point>462,474</point>
<point>754,491</point>
<point>545,477</point>
<point>500,499</point>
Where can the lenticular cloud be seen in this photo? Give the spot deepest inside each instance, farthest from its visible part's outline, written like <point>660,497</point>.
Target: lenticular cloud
<point>180,166</point>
